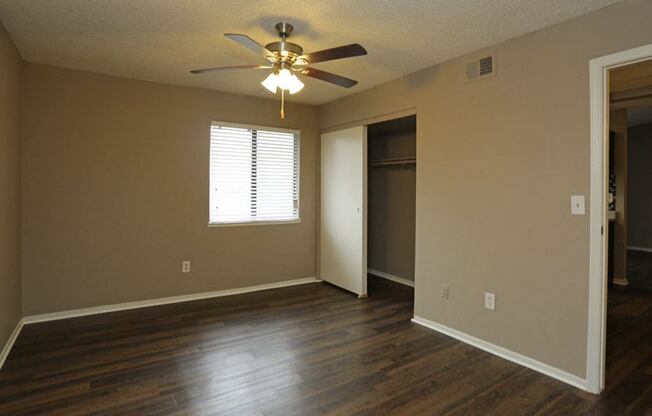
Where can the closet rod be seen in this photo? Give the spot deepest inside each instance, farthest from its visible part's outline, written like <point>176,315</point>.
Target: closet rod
<point>393,162</point>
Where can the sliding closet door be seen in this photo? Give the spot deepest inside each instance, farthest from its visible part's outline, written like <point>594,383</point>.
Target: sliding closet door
<point>343,238</point>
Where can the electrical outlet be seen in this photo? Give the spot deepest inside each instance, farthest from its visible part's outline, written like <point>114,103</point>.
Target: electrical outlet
<point>185,266</point>
<point>444,291</point>
<point>490,301</point>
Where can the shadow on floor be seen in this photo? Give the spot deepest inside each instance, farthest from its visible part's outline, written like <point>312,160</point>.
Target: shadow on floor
<point>379,286</point>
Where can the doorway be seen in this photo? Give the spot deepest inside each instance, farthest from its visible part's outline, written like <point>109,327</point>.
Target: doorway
<point>629,203</point>
<point>619,91</point>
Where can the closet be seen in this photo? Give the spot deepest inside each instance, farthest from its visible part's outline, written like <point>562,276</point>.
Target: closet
<point>391,147</point>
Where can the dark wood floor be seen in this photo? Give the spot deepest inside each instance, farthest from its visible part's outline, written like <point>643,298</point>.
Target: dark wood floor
<point>304,350</point>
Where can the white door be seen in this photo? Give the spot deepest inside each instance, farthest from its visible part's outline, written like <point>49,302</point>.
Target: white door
<point>343,238</point>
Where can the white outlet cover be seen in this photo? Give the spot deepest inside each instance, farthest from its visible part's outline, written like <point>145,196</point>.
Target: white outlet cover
<point>444,291</point>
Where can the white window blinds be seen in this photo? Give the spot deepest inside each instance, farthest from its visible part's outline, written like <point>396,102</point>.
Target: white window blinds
<point>254,175</point>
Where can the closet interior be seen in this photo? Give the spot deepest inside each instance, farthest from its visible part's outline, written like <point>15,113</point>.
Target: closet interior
<point>391,199</point>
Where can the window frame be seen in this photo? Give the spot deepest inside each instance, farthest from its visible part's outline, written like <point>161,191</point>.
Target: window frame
<point>296,132</point>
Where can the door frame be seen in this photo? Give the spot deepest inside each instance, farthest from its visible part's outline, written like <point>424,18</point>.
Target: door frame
<point>365,211</point>
<point>599,109</point>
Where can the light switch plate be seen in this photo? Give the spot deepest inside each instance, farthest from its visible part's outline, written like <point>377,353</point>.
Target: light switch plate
<point>577,205</point>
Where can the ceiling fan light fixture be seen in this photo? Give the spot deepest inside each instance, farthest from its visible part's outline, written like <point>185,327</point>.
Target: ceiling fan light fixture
<point>284,58</point>
<point>284,79</point>
<point>288,81</point>
<point>296,86</point>
<point>271,83</point>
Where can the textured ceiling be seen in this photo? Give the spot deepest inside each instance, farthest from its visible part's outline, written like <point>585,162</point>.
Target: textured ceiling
<point>160,40</point>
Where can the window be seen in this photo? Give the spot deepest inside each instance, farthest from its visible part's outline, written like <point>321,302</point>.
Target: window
<point>254,175</point>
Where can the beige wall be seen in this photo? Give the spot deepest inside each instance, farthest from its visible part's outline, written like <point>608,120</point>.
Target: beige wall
<point>497,162</point>
<point>391,204</point>
<point>640,186</point>
<point>618,124</point>
<point>10,287</point>
<point>115,193</point>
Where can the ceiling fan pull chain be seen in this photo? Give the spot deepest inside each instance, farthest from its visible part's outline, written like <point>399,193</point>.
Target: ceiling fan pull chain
<point>282,103</point>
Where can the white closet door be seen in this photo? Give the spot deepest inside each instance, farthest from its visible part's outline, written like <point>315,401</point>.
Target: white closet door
<point>343,238</point>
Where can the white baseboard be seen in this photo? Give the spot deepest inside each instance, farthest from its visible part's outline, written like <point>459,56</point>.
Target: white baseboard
<point>10,342</point>
<point>634,248</point>
<point>512,356</point>
<point>163,301</point>
<point>391,277</point>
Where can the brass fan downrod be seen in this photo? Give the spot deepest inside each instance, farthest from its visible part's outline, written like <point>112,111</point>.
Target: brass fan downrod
<point>284,29</point>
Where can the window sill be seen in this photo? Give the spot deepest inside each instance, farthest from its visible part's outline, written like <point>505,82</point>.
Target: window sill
<point>250,223</point>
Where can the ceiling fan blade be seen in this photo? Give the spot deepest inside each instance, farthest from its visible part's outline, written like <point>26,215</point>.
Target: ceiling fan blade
<point>340,52</point>
<point>226,68</point>
<point>249,43</point>
<point>329,77</point>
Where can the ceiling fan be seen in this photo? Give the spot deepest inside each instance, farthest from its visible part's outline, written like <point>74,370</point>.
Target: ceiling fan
<point>286,58</point>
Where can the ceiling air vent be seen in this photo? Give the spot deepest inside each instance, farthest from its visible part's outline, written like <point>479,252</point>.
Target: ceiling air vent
<point>480,68</point>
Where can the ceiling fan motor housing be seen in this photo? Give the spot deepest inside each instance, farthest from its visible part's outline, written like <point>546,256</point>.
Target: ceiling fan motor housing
<point>283,46</point>
<point>284,52</point>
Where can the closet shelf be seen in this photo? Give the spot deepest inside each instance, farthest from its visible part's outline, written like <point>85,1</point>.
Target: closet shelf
<point>394,162</point>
